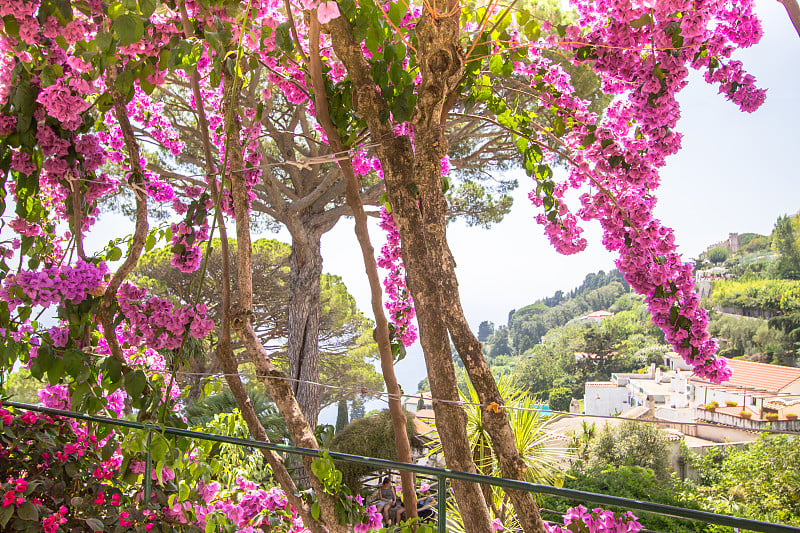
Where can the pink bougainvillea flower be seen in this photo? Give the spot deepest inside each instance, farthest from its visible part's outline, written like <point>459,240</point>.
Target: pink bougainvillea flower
<point>327,11</point>
<point>497,525</point>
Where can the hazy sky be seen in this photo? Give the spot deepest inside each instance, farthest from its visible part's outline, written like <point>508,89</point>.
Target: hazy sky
<point>735,173</point>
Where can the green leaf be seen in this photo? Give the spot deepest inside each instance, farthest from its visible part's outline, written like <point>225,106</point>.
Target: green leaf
<point>315,511</point>
<point>114,254</point>
<point>24,98</point>
<point>584,52</point>
<point>135,383</point>
<point>395,14</point>
<point>184,491</point>
<point>283,37</point>
<point>103,41</point>
<point>642,21</point>
<point>129,29</point>
<point>558,126</point>
<point>5,515</point>
<point>95,524</point>
<point>147,7</point>
<point>73,362</point>
<point>28,511</point>
<point>496,65</point>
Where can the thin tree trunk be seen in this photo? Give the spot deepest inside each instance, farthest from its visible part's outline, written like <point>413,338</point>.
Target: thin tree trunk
<point>352,195</point>
<point>305,264</point>
<point>277,386</point>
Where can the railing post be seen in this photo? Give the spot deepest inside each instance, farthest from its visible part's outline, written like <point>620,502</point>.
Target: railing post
<point>442,513</point>
<point>148,468</point>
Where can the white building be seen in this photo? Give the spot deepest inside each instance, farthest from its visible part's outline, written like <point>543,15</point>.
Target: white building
<point>654,389</point>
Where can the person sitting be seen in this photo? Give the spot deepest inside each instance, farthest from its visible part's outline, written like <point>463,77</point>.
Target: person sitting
<point>425,506</point>
<point>386,498</point>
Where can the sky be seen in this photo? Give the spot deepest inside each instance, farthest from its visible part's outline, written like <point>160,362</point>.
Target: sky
<point>735,173</point>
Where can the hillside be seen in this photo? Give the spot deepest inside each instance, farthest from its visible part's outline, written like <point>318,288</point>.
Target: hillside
<point>527,326</point>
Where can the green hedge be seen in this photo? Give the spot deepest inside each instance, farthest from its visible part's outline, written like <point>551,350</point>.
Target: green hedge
<point>781,295</point>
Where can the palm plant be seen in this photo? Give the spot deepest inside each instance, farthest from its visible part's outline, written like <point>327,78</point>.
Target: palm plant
<point>544,455</point>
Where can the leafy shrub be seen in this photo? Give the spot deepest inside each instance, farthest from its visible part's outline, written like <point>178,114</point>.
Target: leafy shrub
<point>634,482</point>
<point>718,255</point>
<point>372,436</point>
<point>560,399</point>
<point>781,295</point>
<point>745,414</point>
<point>791,416</point>
<point>771,416</point>
<point>631,444</point>
<point>730,403</point>
<point>56,477</point>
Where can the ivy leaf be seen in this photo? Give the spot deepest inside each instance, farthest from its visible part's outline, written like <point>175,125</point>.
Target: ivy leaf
<point>129,29</point>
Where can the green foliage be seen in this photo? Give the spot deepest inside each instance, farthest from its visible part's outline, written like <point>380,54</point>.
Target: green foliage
<point>753,242</point>
<point>635,482</point>
<point>531,434</point>
<point>205,411</point>
<point>631,444</point>
<point>781,295</point>
<point>31,443</point>
<point>537,445</point>
<point>760,481</point>
<point>345,334</point>
<point>785,242</point>
<point>21,387</point>
<point>371,437</point>
<point>624,342</point>
<point>560,398</point>
<point>341,415</point>
<point>485,329</point>
<point>748,336</point>
<point>718,255</point>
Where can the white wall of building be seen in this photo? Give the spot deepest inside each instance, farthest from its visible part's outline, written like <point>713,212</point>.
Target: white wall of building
<point>602,400</point>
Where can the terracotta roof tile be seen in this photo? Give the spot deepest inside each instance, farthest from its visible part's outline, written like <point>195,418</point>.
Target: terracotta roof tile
<point>760,376</point>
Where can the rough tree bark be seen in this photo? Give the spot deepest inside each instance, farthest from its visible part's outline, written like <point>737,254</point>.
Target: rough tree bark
<point>303,342</point>
<point>275,381</point>
<point>441,74</point>
<point>421,222</point>
<point>397,159</point>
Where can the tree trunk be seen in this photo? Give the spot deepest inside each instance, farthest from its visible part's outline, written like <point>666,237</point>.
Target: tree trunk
<point>397,159</point>
<point>303,339</point>
<point>279,389</point>
<point>440,77</point>
<point>381,333</point>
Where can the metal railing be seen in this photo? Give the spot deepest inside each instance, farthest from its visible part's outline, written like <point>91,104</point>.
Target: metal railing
<point>441,474</point>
